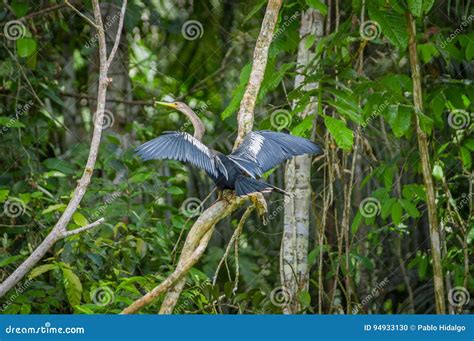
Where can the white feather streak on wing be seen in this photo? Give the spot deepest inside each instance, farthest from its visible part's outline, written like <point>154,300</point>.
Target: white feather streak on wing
<point>221,167</point>
<point>256,143</point>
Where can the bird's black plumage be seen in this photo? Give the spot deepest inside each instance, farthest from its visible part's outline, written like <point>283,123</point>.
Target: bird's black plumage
<point>259,152</point>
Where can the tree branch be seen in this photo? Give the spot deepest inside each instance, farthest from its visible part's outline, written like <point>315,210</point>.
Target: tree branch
<point>260,57</point>
<point>210,217</point>
<point>59,230</point>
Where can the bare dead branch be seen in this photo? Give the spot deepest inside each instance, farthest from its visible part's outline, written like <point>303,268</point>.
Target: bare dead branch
<point>59,230</point>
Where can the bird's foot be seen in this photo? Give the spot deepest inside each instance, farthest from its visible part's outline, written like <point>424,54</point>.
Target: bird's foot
<point>261,205</point>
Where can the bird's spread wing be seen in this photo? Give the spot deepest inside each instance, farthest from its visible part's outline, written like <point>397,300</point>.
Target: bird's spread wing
<point>260,151</point>
<point>179,146</point>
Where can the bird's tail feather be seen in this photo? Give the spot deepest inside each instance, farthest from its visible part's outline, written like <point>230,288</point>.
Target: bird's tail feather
<point>245,186</point>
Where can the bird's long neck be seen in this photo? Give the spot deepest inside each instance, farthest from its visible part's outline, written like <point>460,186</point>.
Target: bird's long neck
<point>199,128</point>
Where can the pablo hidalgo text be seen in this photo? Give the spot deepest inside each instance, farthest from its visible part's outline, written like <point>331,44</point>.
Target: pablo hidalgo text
<point>441,327</point>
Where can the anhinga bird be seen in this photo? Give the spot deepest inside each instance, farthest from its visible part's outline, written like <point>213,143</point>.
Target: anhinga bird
<point>259,152</point>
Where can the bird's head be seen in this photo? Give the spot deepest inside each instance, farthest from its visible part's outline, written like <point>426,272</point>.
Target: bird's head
<point>199,129</point>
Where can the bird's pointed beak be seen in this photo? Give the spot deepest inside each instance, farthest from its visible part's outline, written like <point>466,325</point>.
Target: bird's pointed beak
<point>166,104</point>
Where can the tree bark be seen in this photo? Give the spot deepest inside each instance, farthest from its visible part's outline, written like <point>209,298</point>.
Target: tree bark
<point>294,249</point>
<point>210,217</point>
<point>426,168</point>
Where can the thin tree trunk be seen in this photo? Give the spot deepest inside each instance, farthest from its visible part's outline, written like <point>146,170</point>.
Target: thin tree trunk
<point>59,231</point>
<point>426,167</point>
<point>294,248</point>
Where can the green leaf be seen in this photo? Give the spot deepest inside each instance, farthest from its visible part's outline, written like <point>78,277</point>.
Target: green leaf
<point>344,136</point>
<point>4,194</point>
<point>426,123</point>
<point>415,7</point>
<point>392,24</point>
<point>59,165</point>
<point>399,118</point>
<point>8,260</point>
<point>318,5</point>
<point>19,8</point>
<point>396,213</point>
<point>427,52</point>
<point>10,122</point>
<point>305,298</point>
<point>466,157</point>
<point>41,270</point>
<point>470,51</point>
<point>238,93</point>
<point>427,4</point>
<point>175,190</point>
<point>52,208</point>
<point>79,219</point>
<point>25,47</point>
<point>302,127</point>
<point>386,207</point>
<point>410,208</point>
<point>73,286</point>
<point>437,172</point>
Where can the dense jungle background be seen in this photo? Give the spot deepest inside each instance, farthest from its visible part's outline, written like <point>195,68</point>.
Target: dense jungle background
<point>381,222</point>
